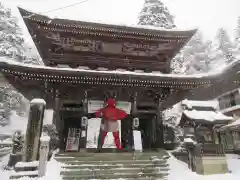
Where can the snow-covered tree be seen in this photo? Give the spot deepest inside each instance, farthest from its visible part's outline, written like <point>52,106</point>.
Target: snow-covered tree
<point>11,39</point>
<point>237,31</point>
<point>198,55</point>
<point>172,117</point>
<point>12,46</point>
<point>223,47</point>
<point>236,51</point>
<point>177,64</point>
<point>195,57</point>
<point>155,13</point>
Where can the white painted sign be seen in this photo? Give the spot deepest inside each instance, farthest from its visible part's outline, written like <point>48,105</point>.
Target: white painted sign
<point>137,138</point>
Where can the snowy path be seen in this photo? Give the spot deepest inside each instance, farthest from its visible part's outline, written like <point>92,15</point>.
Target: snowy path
<point>180,170</point>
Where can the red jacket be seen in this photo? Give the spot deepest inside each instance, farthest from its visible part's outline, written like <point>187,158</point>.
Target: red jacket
<point>110,112</point>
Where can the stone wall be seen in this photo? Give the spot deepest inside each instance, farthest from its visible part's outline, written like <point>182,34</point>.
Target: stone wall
<point>207,165</point>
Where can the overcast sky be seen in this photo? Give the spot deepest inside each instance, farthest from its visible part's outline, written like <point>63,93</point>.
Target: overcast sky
<point>208,15</point>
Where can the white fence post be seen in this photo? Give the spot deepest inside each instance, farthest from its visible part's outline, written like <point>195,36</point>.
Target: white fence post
<point>44,149</point>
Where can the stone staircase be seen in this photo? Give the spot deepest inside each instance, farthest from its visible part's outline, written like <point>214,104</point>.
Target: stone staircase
<point>147,165</point>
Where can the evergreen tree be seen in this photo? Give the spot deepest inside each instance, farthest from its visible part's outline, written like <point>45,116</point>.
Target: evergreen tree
<point>224,48</point>
<point>155,13</point>
<point>237,31</point>
<point>236,51</point>
<point>11,39</point>
<point>195,57</point>
<point>11,46</point>
<point>177,64</point>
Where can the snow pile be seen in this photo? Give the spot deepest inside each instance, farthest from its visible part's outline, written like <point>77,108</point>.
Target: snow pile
<point>3,173</point>
<point>16,123</point>
<point>38,101</point>
<point>180,168</point>
<point>190,103</point>
<point>27,164</point>
<point>6,141</point>
<point>207,115</point>
<point>189,140</point>
<point>48,116</point>
<point>53,170</point>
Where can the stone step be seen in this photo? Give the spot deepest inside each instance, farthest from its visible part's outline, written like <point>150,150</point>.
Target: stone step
<point>136,170</point>
<point>76,162</point>
<point>138,178</point>
<point>124,165</point>
<point>107,158</point>
<point>114,176</point>
<point>107,166</point>
<point>117,155</point>
<point>104,158</point>
<point>22,174</point>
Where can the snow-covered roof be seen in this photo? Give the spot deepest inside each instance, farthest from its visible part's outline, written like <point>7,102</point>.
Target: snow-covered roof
<point>234,124</point>
<point>210,116</point>
<point>230,109</point>
<point>189,140</point>
<point>117,72</point>
<point>38,101</point>
<point>191,103</point>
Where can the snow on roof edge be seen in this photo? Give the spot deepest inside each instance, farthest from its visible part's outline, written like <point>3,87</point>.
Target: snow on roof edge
<point>210,116</point>
<point>194,103</point>
<point>38,101</point>
<point>12,62</point>
<point>113,24</point>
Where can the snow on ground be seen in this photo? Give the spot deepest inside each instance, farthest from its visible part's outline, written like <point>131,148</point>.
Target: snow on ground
<point>53,171</point>
<point>4,174</point>
<point>180,171</point>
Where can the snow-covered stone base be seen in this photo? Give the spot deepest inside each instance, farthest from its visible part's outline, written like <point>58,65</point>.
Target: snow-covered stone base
<point>180,170</point>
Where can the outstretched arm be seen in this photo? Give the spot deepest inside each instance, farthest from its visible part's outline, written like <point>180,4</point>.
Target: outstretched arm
<point>97,114</point>
<point>123,115</point>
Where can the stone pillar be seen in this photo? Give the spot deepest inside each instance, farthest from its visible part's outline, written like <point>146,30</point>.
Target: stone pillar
<point>44,150</point>
<point>159,123</point>
<point>34,129</point>
<point>16,155</point>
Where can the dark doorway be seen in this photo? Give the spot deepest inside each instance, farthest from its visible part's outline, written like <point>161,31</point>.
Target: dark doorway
<point>146,129</point>
<point>126,134</point>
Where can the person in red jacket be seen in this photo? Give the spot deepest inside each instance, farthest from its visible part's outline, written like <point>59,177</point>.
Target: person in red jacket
<point>110,114</point>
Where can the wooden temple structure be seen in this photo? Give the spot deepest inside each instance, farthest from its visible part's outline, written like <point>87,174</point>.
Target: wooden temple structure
<point>201,120</point>
<point>90,61</point>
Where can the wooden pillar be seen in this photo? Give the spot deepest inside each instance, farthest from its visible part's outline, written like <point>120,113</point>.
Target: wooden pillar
<point>159,117</point>
<point>83,140</point>
<point>134,112</point>
<point>56,116</point>
<point>134,103</point>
